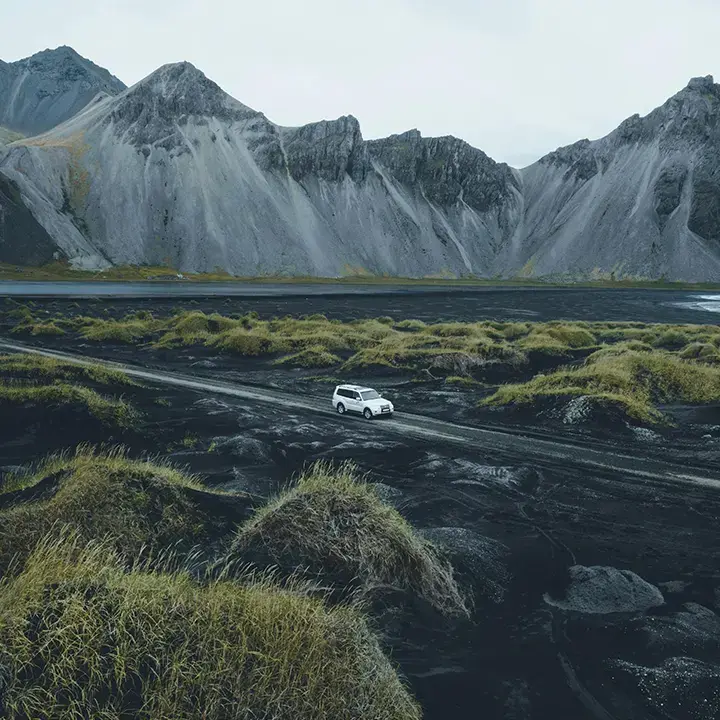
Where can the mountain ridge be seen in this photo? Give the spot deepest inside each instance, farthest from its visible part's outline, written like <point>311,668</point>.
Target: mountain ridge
<point>173,170</point>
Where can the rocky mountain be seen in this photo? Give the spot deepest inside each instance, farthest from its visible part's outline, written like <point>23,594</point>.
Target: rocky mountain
<point>42,91</point>
<point>175,171</point>
<point>642,202</point>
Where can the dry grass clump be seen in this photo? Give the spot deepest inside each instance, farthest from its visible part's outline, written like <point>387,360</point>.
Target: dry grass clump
<point>129,331</point>
<point>555,338</point>
<point>248,342</point>
<point>455,329</point>
<point>411,325</point>
<point>83,638</point>
<point>636,381</point>
<point>311,357</point>
<point>575,335</point>
<point>702,352</point>
<point>462,381</point>
<point>671,340</point>
<point>31,366</point>
<point>27,323</point>
<point>39,328</point>
<point>141,504</point>
<point>28,379</point>
<point>334,524</point>
<point>190,328</point>
<point>110,411</point>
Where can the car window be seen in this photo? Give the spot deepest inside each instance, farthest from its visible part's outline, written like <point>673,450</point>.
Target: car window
<point>345,393</point>
<point>370,395</point>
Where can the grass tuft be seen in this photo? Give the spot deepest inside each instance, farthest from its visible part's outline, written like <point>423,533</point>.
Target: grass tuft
<point>671,340</point>
<point>129,331</point>
<point>109,411</point>
<point>334,524</point>
<point>32,366</point>
<point>83,638</point>
<point>312,357</point>
<point>703,352</point>
<point>38,328</point>
<point>141,504</point>
<point>634,380</point>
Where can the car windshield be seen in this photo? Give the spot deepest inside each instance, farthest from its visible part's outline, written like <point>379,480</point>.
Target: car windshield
<point>370,395</point>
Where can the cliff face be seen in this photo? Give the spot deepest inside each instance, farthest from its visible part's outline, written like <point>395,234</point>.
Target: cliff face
<point>448,171</point>
<point>42,91</point>
<point>173,170</point>
<point>642,202</point>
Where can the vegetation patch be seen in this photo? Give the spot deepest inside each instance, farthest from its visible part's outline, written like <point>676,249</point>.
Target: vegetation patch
<point>128,331</point>
<point>486,351</point>
<point>702,352</point>
<point>110,411</point>
<point>83,638</point>
<point>634,380</point>
<point>39,328</point>
<point>147,505</point>
<point>312,357</point>
<point>31,366</point>
<point>333,524</point>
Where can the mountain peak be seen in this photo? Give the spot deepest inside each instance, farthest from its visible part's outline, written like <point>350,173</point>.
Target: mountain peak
<point>175,81</point>
<point>701,84</point>
<point>52,55</point>
<point>180,89</point>
<point>182,71</point>
<point>47,88</point>
<point>64,61</point>
<point>152,108</point>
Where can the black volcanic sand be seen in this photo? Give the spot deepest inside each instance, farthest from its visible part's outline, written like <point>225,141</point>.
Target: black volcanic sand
<point>458,304</point>
<point>545,642</point>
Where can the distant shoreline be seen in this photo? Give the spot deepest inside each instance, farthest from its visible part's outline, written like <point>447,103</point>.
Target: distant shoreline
<point>62,273</point>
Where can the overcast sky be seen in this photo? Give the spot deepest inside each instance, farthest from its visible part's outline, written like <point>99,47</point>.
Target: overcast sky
<point>516,78</point>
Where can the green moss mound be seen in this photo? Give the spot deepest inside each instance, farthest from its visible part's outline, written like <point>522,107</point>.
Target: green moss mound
<point>32,366</point>
<point>35,383</point>
<point>129,331</point>
<point>38,328</point>
<point>146,506</point>
<point>110,411</point>
<point>81,638</point>
<point>633,380</point>
<point>334,524</point>
<point>571,335</point>
<point>311,357</point>
<point>702,351</point>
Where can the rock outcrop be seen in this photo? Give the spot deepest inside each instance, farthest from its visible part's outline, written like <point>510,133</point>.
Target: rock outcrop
<point>175,171</point>
<point>602,590</point>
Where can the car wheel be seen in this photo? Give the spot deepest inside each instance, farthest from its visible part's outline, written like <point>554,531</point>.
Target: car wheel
<point>368,414</point>
<point>341,408</point>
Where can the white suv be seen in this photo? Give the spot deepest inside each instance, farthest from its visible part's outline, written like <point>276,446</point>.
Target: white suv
<point>356,398</point>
